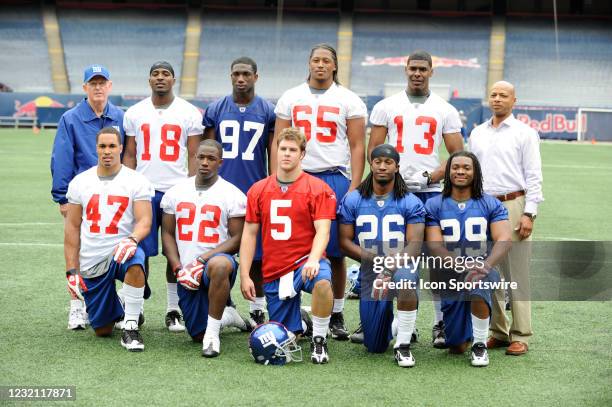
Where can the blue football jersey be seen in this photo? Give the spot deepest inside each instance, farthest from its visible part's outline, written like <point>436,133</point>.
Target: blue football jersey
<point>244,134</point>
<point>466,226</point>
<point>380,224</point>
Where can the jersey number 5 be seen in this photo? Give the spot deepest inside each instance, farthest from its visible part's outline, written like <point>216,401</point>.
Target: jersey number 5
<point>169,148</point>
<point>432,126</point>
<point>205,210</point>
<point>92,212</point>
<point>276,219</point>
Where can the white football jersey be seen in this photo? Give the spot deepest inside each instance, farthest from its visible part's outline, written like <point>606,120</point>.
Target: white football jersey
<point>108,210</point>
<point>161,139</point>
<point>322,118</point>
<point>202,215</point>
<point>416,130</point>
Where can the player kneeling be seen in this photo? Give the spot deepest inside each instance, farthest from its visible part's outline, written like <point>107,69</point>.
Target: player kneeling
<point>379,217</point>
<point>463,218</point>
<point>109,213</point>
<point>201,227</point>
<point>294,210</point>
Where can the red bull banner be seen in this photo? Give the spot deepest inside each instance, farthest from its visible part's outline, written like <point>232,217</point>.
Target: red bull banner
<point>550,122</point>
<point>438,62</point>
<point>26,104</point>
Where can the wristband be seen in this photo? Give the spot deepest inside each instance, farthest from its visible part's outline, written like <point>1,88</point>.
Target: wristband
<point>71,272</point>
<point>201,260</point>
<point>133,239</point>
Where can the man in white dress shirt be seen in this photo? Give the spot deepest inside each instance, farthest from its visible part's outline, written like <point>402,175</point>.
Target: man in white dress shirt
<point>509,153</point>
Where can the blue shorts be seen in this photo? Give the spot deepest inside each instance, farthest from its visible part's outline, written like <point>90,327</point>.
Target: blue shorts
<point>150,244</point>
<point>287,312</point>
<point>457,311</point>
<point>101,299</point>
<point>194,304</point>
<point>377,316</point>
<point>340,185</point>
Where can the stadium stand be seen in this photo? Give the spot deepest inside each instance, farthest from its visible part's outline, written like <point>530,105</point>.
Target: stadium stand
<point>582,76</point>
<point>24,56</point>
<point>382,36</point>
<point>282,57</point>
<point>126,42</point>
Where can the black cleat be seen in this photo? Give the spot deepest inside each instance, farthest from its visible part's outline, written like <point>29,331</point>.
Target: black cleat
<point>258,316</point>
<point>308,322</point>
<point>337,328</point>
<point>174,321</point>
<point>357,336</point>
<point>132,340</point>
<point>438,338</point>
<point>318,349</point>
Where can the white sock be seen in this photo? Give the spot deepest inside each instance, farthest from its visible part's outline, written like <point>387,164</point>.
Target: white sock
<point>437,303</point>
<point>405,327</point>
<point>338,305</point>
<point>76,304</point>
<point>480,329</point>
<point>213,326</point>
<point>258,305</point>
<point>172,297</point>
<point>134,299</point>
<point>320,326</point>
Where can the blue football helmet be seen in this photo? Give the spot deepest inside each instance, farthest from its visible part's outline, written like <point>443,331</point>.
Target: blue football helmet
<point>272,344</point>
<point>353,280</point>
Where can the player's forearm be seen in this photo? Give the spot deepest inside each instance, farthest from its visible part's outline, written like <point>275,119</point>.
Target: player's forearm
<point>170,250</point>
<point>357,166</point>
<point>141,229</point>
<point>247,253</point>
<point>355,252</point>
<point>498,252</point>
<point>230,246</point>
<point>72,243</point>
<point>319,243</point>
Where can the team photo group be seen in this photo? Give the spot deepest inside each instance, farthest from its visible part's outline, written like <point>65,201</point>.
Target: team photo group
<point>275,198</point>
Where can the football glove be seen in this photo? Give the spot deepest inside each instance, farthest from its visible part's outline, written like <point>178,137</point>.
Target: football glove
<point>75,284</point>
<point>380,286</point>
<point>191,275</point>
<point>417,181</point>
<point>125,250</point>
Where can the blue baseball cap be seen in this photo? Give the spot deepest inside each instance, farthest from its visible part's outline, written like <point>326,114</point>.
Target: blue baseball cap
<point>95,70</point>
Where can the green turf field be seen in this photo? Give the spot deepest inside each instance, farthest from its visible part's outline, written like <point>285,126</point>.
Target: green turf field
<point>569,362</point>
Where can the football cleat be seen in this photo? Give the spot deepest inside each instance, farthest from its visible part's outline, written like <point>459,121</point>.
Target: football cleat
<point>306,323</point>
<point>258,317</point>
<point>480,356</point>
<point>318,350</point>
<point>337,329</point>
<point>131,338</point>
<point>141,321</point>
<point>403,356</point>
<point>211,347</point>
<point>272,344</point>
<point>357,336</point>
<point>174,321</point>
<point>232,319</point>
<point>76,318</point>
<point>438,338</point>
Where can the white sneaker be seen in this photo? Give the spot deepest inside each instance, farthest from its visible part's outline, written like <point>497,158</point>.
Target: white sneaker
<point>174,321</point>
<point>403,356</point>
<point>232,319</point>
<point>76,319</point>
<point>211,347</point>
<point>480,356</point>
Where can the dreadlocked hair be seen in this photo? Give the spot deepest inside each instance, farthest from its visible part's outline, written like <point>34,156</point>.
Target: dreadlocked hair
<point>476,182</point>
<point>366,188</point>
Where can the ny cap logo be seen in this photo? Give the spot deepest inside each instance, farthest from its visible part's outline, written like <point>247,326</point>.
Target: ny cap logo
<point>96,69</point>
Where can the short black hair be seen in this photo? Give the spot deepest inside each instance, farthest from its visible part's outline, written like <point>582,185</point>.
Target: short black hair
<point>420,55</point>
<point>246,61</point>
<point>109,130</point>
<point>212,143</point>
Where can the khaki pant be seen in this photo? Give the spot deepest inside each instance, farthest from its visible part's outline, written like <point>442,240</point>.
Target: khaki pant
<point>515,267</point>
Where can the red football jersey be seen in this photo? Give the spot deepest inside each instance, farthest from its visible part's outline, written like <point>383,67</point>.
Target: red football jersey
<point>286,219</point>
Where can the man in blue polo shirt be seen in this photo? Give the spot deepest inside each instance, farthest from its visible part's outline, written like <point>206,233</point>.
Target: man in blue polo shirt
<point>74,151</point>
